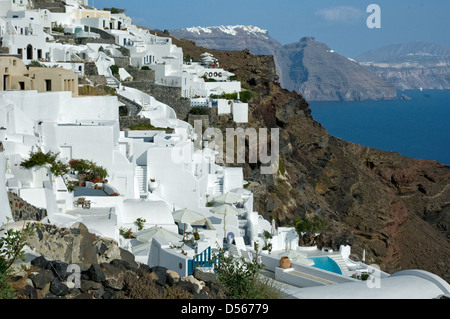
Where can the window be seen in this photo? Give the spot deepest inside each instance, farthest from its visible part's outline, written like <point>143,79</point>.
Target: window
<point>22,86</point>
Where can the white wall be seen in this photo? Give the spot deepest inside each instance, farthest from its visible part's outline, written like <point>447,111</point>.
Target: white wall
<point>233,178</point>
<point>162,255</point>
<point>222,87</point>
<point>5,6</point>
<point>5,210</point>
<point>240,112</point>
<point>177,181</point>
<point>223,106</point>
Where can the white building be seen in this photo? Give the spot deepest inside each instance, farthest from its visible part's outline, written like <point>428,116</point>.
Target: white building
<point>22,34</point>
<point>13,5</point>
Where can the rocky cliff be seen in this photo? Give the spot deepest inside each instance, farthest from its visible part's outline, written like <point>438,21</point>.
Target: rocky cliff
<point>76,264</point>
<point>321,74</point>
<point>396,208</point>
<point>411,65</point>
<point>307,66</point>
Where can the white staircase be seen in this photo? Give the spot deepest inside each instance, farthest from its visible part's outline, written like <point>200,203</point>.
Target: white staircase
<point>342,264</point>
<point>112,82</point>
<point>218,186</point>
<point>141,175</point>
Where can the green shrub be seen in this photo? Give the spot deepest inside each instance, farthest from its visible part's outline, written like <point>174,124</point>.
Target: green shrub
<point>114,69</point>
<point>149,127</point>
<point>229,96</point>
<point>39,158</point>
<point>316,224</point>
<point>12,243</point>
<point>199,111</point>
<point>140,222</point>
<point>58,28</point>
<point>241,278</point>
<point>126,232</point>
<point>88,170</point>
<point>246,96</point>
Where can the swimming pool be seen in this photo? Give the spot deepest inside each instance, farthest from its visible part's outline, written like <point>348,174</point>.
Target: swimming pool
<point>326,263</point>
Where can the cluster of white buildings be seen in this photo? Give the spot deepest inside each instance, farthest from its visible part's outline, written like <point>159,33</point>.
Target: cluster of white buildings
<point>154,173</point>
<point>154,176</point>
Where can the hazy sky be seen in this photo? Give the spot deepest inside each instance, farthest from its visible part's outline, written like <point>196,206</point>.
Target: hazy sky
<point>341,24</point>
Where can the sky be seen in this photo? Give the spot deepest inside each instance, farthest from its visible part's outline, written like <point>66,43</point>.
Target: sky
<point>341,24</point>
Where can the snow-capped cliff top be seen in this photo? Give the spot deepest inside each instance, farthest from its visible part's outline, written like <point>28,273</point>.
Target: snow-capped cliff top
<point>228,29</point>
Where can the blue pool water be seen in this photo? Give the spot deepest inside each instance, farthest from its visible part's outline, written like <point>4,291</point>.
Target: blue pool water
<point>326,263</point>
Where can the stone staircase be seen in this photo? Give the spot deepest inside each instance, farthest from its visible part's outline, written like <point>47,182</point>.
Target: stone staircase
<point>133,108</point>
<point>112,82</point>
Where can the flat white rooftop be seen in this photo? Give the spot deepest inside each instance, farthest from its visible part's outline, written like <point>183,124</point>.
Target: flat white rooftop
<point>402,285</point>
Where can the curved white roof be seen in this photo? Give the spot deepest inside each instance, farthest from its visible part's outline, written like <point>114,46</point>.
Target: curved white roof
<point>154,212</point>
<point>410,284</point>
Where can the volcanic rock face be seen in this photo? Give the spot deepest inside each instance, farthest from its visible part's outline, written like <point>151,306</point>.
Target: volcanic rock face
<point>321,74</point>
<point>396,208</point>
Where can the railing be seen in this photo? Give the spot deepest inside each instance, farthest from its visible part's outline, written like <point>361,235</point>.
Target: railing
<point>201,260</point>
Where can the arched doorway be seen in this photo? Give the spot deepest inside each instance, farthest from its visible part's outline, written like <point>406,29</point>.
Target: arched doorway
<point>29,52</point>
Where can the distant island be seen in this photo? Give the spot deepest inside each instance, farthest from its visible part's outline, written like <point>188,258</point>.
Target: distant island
<point>413,65</point>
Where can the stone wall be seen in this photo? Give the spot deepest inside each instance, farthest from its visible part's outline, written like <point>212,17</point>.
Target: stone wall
<point>105,37</point>
<point>21,210</point>
<point>122,62</point>
<point>90,69</point>
<point>146,76</point>
<point>98,80</point>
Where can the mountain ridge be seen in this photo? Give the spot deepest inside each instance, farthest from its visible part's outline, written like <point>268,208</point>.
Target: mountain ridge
<point>410,65</point>
<point>289,61</point>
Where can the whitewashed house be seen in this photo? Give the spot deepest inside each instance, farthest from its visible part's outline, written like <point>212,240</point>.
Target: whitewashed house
<point>22,34</point>
<point>13,5</point>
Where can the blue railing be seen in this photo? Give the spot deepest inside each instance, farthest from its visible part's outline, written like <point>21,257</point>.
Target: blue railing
<point>201,260</point>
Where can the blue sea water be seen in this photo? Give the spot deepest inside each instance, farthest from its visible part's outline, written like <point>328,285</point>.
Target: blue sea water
<point>418,128</point>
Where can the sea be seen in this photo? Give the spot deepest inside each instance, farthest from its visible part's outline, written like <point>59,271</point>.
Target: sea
<point>417,126</point>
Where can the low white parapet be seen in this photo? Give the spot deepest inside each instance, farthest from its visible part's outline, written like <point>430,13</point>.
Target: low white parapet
<point>291,277</point>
